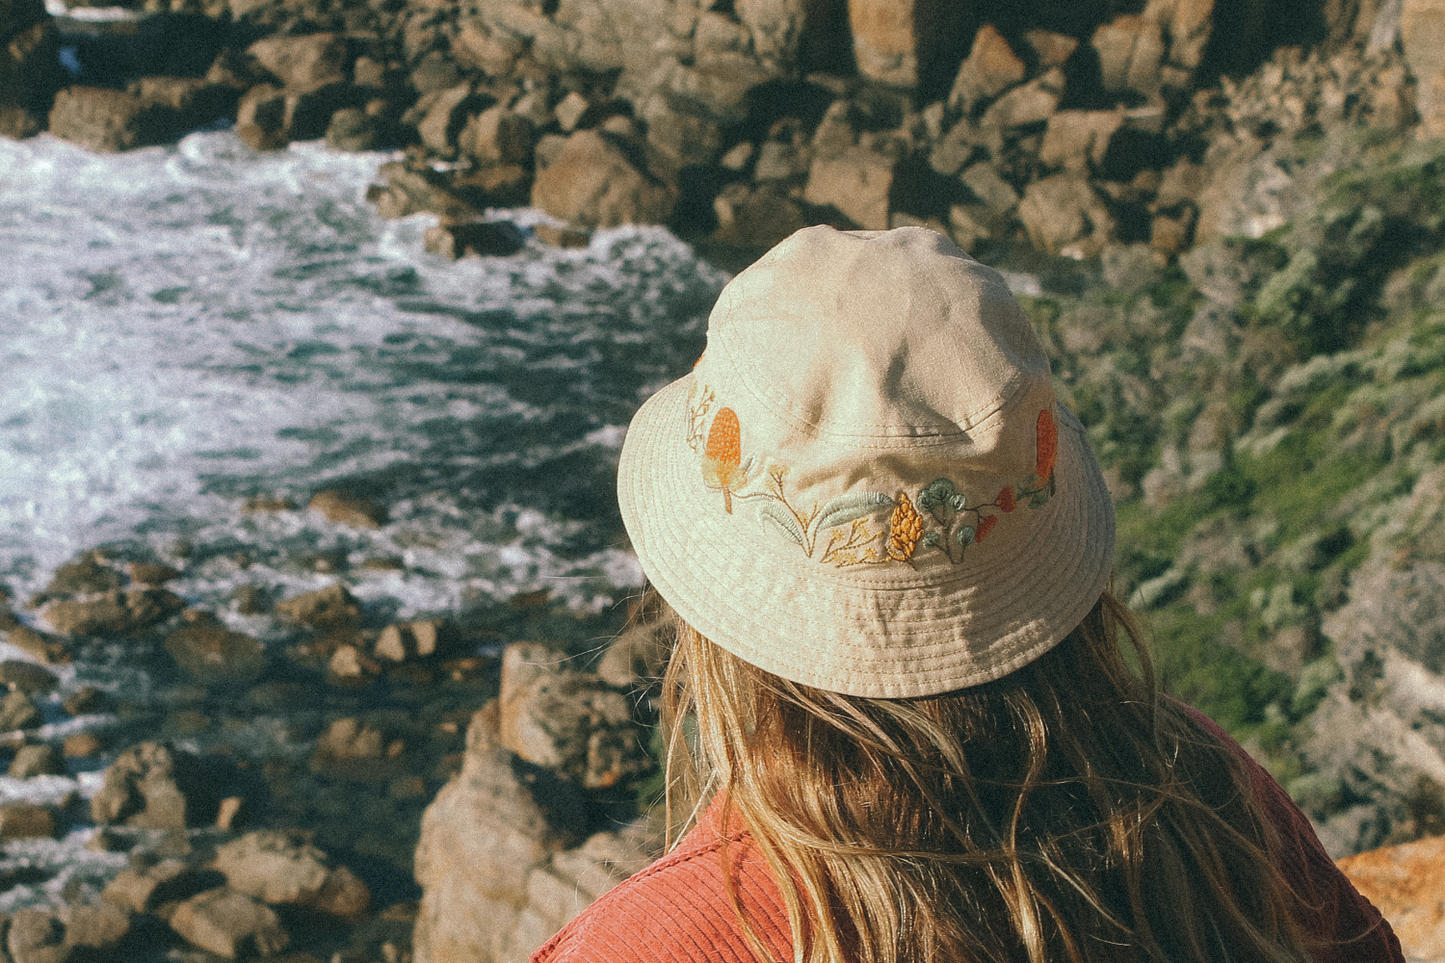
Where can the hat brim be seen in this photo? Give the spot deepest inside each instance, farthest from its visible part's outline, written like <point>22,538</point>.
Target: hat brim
<point>874,631</point>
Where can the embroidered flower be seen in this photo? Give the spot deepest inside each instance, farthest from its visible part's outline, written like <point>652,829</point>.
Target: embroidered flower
<point>985,525</point>
<point>1048,445</point>
<point>905,529</point>
<point>722,456</point>
<point>1005,500</point>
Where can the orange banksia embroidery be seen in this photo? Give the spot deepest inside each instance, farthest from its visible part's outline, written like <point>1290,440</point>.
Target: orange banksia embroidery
<point>1006,501</point>
<point>905,530</point>
<point>722,458</point>
<point>1048,445</point>
<point>985,525</point>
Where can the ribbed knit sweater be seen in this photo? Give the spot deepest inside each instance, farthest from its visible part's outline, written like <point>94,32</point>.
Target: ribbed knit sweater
<point>677,910</point>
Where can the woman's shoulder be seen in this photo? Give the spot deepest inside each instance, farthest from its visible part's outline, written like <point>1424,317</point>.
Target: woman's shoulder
<point>678,910</point>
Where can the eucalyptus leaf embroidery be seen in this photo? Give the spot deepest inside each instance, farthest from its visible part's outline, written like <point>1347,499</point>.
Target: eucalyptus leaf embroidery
<point>699,403</point>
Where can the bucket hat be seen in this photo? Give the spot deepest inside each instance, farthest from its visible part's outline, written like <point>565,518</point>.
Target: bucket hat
<point>866,484</point>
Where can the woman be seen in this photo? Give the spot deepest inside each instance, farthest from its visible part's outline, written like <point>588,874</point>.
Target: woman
<point>898,685</point>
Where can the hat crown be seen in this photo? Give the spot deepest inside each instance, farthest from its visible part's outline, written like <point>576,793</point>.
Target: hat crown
<point>871,337</point>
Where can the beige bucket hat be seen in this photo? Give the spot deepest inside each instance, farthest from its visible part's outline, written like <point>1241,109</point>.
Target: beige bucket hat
<point>866,484</point>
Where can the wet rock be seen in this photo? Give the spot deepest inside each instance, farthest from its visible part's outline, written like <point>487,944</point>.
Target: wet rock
<point>155,786</point>
<point>569,722</point>
<point>20,820</point>
<point>151,574</point>
<point>30,70</point>
<point>303,63</point>
<point>38,760</point>
<point>269,117</point>
<point>351,749</point>
<point>212,654</point>
<point>485,239</point>
<point>1407,885</point>
<point>1062,213</point>
<point>230,924</point>
<point>435,72</point>
<point>84,700</point>
<point>45,648</point>
<point>276,867</point>
<point>113,613</point>
<point>192,101</point>
<point>332,607</point>
<point>81,745</point>
<point>600,181</point>
<point>27,676</point>
<point>84,576</point>
<point>409,640</point>
<point>497,135</point>
<point>407,190</point>
<point>991,68</point>
<point>856,182</point>
<point>144,888</point>
<point>562,237</point>
<point>18,711</point>
<point>106,120</point>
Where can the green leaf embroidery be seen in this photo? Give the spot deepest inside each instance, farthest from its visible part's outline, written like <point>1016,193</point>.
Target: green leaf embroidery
<point>1040,499</point>
<point>847,508</point>
<point>934,493</point>
<point>964,535</point>
<point>782,521</point>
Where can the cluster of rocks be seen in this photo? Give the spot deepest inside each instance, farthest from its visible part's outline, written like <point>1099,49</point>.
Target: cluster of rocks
<point>741,122</point>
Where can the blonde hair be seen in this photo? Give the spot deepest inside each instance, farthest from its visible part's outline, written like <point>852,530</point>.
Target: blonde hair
<point>1062,813</point>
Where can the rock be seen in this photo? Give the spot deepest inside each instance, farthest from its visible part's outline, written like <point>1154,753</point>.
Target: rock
<point>991,68</point>
<point>303,63</point>
<point>84,700</point>
<point>893,40</point>
<point>1079,139</point>
<point>443,121</point>
<point>229,924</point>
<point>332,607</point>
<point>1422,35</point>
<point>599,181</point>
<point>276,867</point>
<point>18,711</point>
<point>1051,49</point>
<point>570,722</point>
<point>780,161</point>
<point>142,889</point>
<point>193,102</point>
<point>1131,51</point>
<point>99,119</point>
<point>20,820</point>
<point>1188,25</point>
<point>35,936</point>
<point>856,182</point>
<point>351,749</point>
<point>352,129</point>
<point>1032,103</point>
<point>349,667</point>
<point>493,185</point>
<point>759,216</point>
<point>151,574</point>
<point>637,655</point>
<point>408,640</point>
<point>81,745</point>
<point>484,239</point>
<point>497,135</point>
<point>1407,885</point>
<point>570,110</point>
<point>37,760</point>
<point>996,193</point>
<point>1062,213</point>
<point>84,576</point>
<point>43,647</point>
<point>155,786</point>
<point>269,117</point>
<point>435,72</point>
<point>554,236</point>
<point>27,677</point>
<point>409,190</point>
<point>113,613</point>
<point>30,70</point>
<point>212,654</point>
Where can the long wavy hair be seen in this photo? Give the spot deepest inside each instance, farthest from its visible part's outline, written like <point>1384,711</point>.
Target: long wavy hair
<point>1065,812</point>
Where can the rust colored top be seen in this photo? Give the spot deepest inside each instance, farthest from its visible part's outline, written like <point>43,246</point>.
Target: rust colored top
<point>677,910</point>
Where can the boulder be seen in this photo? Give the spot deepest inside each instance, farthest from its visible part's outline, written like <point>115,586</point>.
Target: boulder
<point>22,820</point>
<point>347,509</point>
<point>989,187</point>
<point>152,574</point>
<point>409,189</point>
<point>353,129</point>
<point>636,656</point>
<point>1131,54</point>
<point>27,677</point>
<point>443,119</point>
<point>991,68</point>
<point>46,648</point>
<point>758,216</point>
<point>276,867</point>
<point>855,181</point>
<point>1050,49</point>
<point>404,641</point>
<point>1079,139</point>
<point>106,120</point>
<point>1188,25</point>
<point>497,135</point>
<point>193,102</point>
<point>212,654</point>
<point>1031,103</point>
<point>332,607</point>
<point>35,936</point>
<point>895,41</point>
<point>81,745</point>
<point>36,760</point>
<point>269,117</point>
<point>87,575</point>
<point>155,786</point>
<point>144,888</point>
<point>1063,214</point>
<point>18,711</point>
<point>479,239</point>
<point>303,63</point>
<point>93,930</point>
<point>112,613</point>
<point>230,924</point>
<point>351,749</point>
<point>570,722</point>
<point>1422,35</point>
<point>600,181</point>
<point>30,70</point>
<point>1407,885</point>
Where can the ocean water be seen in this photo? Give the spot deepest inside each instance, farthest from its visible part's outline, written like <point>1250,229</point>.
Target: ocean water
<point>188,327</point>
